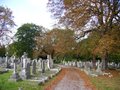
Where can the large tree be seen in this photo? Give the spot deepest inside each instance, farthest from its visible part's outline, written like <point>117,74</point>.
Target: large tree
<point>56,42</point>
<point>77,13</point>
<point>87,16</point>
<point>26,39</point>
<point>6,23</point>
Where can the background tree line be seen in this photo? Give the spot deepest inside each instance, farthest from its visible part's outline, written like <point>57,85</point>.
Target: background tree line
<point>98,19</point>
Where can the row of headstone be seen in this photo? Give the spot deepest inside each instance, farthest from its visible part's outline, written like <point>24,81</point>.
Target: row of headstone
<point>87,66</point>
<point>26,68</point>
<point>114,65</point>
<point>89,69</point>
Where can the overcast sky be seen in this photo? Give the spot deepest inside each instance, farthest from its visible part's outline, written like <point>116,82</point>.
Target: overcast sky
<point>29,11</point>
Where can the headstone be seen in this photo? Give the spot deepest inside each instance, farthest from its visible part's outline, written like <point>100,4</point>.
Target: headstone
<point>34,67</point>
<point>7,63</point>
<point>98,70</point>
<point>78,64</point>
<point>43,66</point>
<point>28,71</point>
<point>118,65</point>
<point>12,61</point>
<point>24,59</point>
<point>15,76</point>
<point>25,73</point>
<point>1,60</point>
<point>50,61</point>
<point>40,64</point>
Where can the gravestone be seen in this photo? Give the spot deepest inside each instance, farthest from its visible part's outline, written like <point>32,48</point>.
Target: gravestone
<point>6,60</point>
<point>1,60</point>
<point>118,65</point>
<point>28,71</point>
<point>34,67</point>
<point>39,64</point>
<point>50,61</point>
<point>15,76</point>
<point>78,64</point>
<point>22,57</point>
<point>25,73</point>
<point>99,70</point>
<point>87,68</point>
<point>43,66</point>
<point>12,61</point>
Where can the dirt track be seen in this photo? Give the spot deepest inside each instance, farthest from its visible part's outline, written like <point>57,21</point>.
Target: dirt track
<point>70,78</point>
<point>71,81</point>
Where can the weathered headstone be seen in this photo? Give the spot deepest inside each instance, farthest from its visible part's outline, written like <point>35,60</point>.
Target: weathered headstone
<point>98,70</point>
<point>28,71</point>
<point>50,61</point>
<point>34,67</point>
<point>43,66</point>
<point>15,76</point>
<point>6,61</point>
<point>39,64</point>
<point>25,73</point>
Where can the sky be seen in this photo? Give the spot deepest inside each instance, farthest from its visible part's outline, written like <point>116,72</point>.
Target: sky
<point>30,11</point>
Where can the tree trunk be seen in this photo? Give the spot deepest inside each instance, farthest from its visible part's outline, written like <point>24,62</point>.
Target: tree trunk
<point>94,62</point>
<point>105,61</point>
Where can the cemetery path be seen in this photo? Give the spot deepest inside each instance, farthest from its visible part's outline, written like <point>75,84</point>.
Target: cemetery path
<point>72,80</point>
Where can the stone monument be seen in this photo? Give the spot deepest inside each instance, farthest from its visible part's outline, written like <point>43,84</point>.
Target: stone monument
<point>15,76</point>
<point>25,73</point>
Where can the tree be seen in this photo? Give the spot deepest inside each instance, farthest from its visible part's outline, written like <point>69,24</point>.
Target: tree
<point>81,15</point>
<point>108,44</point>
<point>78,13</point>
<point>6,23</point>
<point>2,51</point>
<point>26,39</point>
<point>56,42</point>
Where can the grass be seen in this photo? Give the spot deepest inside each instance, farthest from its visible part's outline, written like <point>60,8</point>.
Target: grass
<point>107,83</point>
<point>8,85</point>
<point>26,85</point>
<point>5,84</point>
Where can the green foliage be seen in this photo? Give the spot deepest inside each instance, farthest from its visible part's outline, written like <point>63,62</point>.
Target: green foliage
<point>2,51</point>
<point>104,36</point>
<point>114,57</point>
<point>56,42</point>
<point>25,39</point>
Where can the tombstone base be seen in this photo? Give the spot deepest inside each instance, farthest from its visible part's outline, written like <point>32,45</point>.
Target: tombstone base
<point>24,75</point>
<point>8,66</point>
<point>99,72</point>
<point>15,77</point>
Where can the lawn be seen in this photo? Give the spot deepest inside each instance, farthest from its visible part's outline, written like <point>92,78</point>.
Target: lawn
<point>8,85</point>
<point>107,83</point>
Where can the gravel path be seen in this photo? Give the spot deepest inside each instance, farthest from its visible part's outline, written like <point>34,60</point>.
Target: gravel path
<point>71,81</point>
